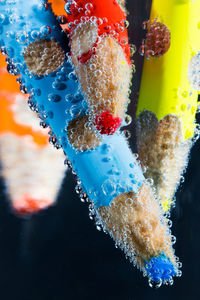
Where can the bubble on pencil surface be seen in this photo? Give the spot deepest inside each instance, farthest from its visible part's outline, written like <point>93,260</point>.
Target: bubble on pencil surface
<point>54,140</point>
<point>157,41</point>
<point>163,152</point>
<point>82,134</point>
<point>43,57</point>
<point>37,56</point>
<point>194,72</point>
<point>135,223</point>
<point>101,56</point>
<point>105,80</point>
<point>139,229</point>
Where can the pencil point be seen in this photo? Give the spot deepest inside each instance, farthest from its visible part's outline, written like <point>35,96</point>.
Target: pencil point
<point>160,269</point>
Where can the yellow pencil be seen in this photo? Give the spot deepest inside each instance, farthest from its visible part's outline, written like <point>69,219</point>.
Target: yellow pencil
<point>168,94</point>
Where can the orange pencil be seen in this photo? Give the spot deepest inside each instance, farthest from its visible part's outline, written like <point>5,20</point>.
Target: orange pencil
<point>32,170</point>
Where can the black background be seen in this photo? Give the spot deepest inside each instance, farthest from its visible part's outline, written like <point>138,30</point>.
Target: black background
<point>58,254</point>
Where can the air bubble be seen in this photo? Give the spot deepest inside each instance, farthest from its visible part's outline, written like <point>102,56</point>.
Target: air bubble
<point>45,30</point>
<point>128,119</point>
<point>13,19</point>
<point>35,92</point>
<point>79,97</point>
<point>179,265</point>
<point>126,23</point>
<point>67,162</point>
<point>68,8</point>
<point>123,42</point>
<point>43,6</point>
<point>93,67</point>
<point>53,140</point>
<point>72,76</point>
<point>62,19</point>
<point>59,85</point>
<point>2,18</point>
<point>12,69</point>
<point>19,80</point>
<point>75,111</point>
<point>35,34</point>
<point>23,89</point>
<point>169,223</point>
<point>108,187</point>
<point>155,284</point>
<point>106,148</point>
<point>133,50</point>
<point>44,125</point>
<point>3,50</point>
<point>78,189</point>
<point>22,37</point>
<point>170,281</point>
<point>107,159</point>
<point>54,98</point>
<point>132,165</point>
<point>89,6</point>
<point>69,98</point>
<point>84,197</point>
<point>127,134</point>
<point>179,273</point>
<point>98,227</point>
<point>142,50</point>
<point>173,239</point>
<point>99,21</point>
<point>194,72</point>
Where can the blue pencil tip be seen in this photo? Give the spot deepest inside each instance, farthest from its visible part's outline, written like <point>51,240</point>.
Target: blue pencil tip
<point>160,268</point>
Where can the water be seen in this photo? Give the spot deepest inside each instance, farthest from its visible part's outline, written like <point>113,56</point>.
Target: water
<point>60,255</point>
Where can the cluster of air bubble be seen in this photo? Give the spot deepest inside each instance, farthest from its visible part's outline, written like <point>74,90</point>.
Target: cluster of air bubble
<point>136,224</point>
<point>25,34</point>
<point>157,41</point>
<point>44,123</point>
<point>40,63</point>
<point>44,57</point>
<point>133,220</point>
<point>84,13</point>
<point>100,53</point>
<point>105,81</point>
<point>164,152</point>
<point>82,134</point>
<point>194,72</point>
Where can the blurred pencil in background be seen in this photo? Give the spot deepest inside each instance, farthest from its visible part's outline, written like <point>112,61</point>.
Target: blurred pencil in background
<point>31,168</point>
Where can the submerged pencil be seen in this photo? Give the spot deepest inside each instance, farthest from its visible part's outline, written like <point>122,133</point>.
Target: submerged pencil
<point>31,169</point>
<point>108,171</point>
<point>168,94</point>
